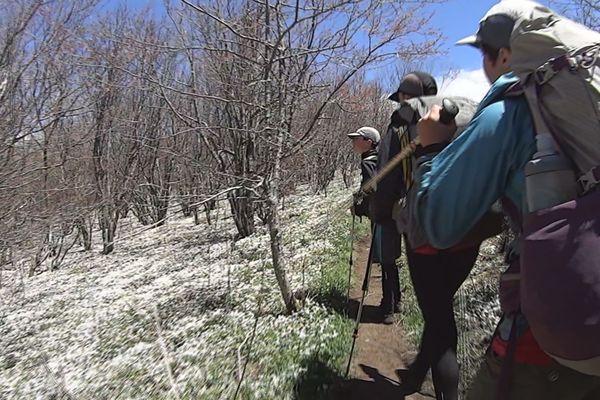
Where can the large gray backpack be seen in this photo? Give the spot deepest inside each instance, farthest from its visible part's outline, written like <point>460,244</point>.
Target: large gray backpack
<point>410,112</point>
<point>557,61</point>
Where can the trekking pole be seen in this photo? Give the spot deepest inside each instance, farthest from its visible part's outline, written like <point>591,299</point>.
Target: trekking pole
<point>365,289</point>
<point>350,261</point>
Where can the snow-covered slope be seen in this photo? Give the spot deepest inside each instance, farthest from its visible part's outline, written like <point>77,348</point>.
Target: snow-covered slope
<point>170,313</point>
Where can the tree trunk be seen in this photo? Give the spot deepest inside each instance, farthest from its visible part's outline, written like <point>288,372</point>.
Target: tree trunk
<point>186,210</point>
<point>274,231</point>
<point>242,211</point>
<point>208,207</point>
<point>197,216</point>
<point>278,263</point>
<point>86,235</point>
<point>108,226</point>
<point>164,197</point>
<point>347,177</point>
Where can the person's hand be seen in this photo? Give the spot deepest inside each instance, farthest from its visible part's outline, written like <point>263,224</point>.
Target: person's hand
<point>431,131</point>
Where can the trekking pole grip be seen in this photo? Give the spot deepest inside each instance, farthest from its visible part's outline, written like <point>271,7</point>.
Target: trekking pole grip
<point>448,112</point>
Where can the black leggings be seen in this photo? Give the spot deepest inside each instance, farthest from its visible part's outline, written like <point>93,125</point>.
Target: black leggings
<point>436,278</point>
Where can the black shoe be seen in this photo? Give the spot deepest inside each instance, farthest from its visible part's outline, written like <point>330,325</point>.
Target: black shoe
<point>409,382</point>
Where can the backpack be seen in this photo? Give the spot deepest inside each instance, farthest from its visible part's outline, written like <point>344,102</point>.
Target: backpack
<point>557,62</point>
<point>413,109</point>
<point>407,222</point>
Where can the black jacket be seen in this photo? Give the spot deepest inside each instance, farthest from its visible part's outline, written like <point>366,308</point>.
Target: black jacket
<point>393,186</point>
<point>368,169</point>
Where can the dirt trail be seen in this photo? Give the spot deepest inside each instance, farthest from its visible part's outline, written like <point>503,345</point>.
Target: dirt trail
<point>380,349</point>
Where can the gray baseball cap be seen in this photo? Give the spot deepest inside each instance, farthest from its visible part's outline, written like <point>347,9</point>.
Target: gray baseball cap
<point>496,27</point>
<point>368,133</point>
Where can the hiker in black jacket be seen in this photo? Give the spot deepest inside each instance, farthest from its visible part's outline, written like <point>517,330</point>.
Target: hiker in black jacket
<point>391,189</point>
<point>364,142</point>
<point>436,274</point>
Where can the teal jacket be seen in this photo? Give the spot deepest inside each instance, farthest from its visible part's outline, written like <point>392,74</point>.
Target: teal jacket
<point>459,184</point>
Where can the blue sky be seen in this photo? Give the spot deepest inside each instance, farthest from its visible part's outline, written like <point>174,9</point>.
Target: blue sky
<point>156,5</point>
<point>454,18</point>
<point>457,19</point>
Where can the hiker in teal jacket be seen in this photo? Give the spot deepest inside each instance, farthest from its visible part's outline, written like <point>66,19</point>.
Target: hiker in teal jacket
<point>459,182</point>
<point>458,185</point>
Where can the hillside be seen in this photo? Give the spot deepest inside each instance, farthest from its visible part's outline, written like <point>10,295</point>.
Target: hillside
<point>179,311</point>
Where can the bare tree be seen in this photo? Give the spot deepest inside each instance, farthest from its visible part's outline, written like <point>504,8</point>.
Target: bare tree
<point>133,132</point>
<point>360,103</point>
<point>585,11</point>
<point>38,107</point>
<point>264,75</point>
<point>228,100</point>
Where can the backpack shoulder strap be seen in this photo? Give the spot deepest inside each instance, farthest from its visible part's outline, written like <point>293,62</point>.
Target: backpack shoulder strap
<point>514,90</point>
<point>404,138</point>
<point>531,94</point>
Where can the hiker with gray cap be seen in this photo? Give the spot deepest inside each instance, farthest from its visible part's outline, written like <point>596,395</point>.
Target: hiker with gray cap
<point>491,160</point>
<point>364,142</point>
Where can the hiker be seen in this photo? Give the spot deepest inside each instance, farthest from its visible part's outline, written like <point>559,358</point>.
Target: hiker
<point>436,274</point>
<point>458,181</point>
<point>391,189</point>
<point>364,142</point>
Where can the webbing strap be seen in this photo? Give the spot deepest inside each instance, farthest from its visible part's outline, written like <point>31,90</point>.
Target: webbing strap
<point>506,372</point>
<point>531,92</point>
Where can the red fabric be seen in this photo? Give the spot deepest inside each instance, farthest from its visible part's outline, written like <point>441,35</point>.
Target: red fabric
<point>527,352</point>
<point>429,250</point>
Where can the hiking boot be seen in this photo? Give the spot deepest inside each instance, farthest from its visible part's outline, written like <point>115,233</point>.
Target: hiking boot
<point>409,382</point>
<point>388,318</point>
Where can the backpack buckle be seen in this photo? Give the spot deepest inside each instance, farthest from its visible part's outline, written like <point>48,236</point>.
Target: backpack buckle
<point>589,180</point>
<point>543,74</point>
<point>588,59</point>
<point>547,71</point>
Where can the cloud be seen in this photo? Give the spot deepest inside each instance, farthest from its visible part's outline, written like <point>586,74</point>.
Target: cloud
<point>471,84</point>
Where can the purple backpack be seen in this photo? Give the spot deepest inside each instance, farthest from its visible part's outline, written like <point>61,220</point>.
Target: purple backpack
<point>557,61</point>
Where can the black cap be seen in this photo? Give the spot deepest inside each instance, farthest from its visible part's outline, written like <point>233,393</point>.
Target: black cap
<point>416,83</point>
<point>494,32</point>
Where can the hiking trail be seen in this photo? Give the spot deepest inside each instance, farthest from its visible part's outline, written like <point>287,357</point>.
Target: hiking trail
<point>380,349</point>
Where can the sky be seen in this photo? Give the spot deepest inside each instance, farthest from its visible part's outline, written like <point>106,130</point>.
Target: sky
<point>455,19</point>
